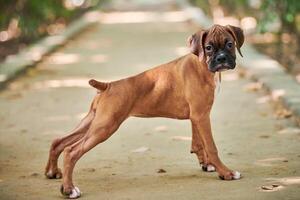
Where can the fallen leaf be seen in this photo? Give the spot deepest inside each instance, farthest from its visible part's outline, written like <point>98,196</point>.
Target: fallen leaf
<point>14,96</point>
<point>283,113</point>
<point>253,87</point>
<point>34,174</point>
<point>263,114</point>
<point>161,129</point>
<point>264,136</point>
<point>242,73</point>
<point>140,150</point>
<point>89,169</point>
<point>267,187</point>
<point>161,171</point>
<point>271,188</point>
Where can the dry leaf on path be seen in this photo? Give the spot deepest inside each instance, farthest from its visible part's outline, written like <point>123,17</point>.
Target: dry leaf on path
<point>161,129</point>
<point>161,171</point>
<point>140,150</point>
<point>283,113</point>
<point>253,87</point>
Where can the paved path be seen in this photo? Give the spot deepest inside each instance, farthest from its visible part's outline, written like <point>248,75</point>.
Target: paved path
<point>52,98</point>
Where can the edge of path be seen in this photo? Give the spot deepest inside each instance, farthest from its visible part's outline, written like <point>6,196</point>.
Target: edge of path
<point>259,67</point>
<point>17,64</point>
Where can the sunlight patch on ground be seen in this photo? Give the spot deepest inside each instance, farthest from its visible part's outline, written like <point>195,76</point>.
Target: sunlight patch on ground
<point>265,63</point>
<point>63,58</point>
<point>92,16</point>
<point>181,138</point>
<point>35,53</point>
<point>140,17</point>
<point>98,58</point>
<point>289,130</point>
<point>57,39</point>
<point>276,94</point>
<point>79,82</point>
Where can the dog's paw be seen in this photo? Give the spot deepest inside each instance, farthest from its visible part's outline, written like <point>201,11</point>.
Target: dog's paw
<point>208,168</point>
<point>231,176</point>
<point>54,174</point>
<point>70,193</point>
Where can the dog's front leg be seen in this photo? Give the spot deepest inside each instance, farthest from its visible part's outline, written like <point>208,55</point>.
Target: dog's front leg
<point>202,124</point>
<point>198,148</point>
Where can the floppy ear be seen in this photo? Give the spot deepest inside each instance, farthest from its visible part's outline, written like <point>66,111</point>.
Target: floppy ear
<point>238,36</point>
<point>196,43</point>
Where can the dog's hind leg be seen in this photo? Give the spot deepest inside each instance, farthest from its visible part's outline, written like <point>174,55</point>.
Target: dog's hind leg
<point>103,126</point>
<point>58,145</point>
<point>198,148</point>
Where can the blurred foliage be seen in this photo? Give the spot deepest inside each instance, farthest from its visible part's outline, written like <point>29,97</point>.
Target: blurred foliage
<point>285,11</point>
<point>33,16</point>
<point>277,32</point>
<point>267,12</point>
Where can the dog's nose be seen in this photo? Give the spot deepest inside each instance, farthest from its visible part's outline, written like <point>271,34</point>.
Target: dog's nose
<point>221,58</point>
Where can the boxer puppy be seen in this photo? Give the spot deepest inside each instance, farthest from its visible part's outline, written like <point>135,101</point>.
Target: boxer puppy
<point>181,89</point>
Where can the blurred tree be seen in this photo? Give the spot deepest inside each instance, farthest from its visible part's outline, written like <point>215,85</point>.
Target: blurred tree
<point>24,21</point>
<point>33,16</point>
<point>285,11</point>
<point>267,12</point>
<point>280,19</point>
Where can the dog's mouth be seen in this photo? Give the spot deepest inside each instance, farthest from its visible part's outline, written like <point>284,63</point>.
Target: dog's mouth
<point>222,67</point>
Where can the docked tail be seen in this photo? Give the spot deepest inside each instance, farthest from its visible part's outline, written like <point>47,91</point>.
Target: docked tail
<point>98,85</point>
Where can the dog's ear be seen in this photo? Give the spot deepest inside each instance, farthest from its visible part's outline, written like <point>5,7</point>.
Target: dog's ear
<point>238,36</point>
<point>196,43</point>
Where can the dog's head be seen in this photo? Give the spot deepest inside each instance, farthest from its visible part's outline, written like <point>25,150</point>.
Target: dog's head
<point>216,46</point>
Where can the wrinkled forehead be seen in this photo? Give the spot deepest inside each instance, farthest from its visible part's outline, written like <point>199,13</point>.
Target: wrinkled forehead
<point>218,35</point>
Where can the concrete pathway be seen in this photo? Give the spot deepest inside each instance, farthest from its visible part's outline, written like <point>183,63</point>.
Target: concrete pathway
<point>52,98</point>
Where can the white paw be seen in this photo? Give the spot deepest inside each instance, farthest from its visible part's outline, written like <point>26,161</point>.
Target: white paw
<point>236,175</point>
<point>211,168</point>
<point>208,168</point>
<point>75,193</point>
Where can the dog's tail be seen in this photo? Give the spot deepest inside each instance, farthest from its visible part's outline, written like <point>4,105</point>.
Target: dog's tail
<point>98,85</point>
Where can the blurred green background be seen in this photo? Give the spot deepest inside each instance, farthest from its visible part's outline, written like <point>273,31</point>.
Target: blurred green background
<point>272,26</point>
<point>24,21</point>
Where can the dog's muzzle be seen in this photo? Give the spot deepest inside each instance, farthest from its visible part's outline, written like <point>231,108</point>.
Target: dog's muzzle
<point>221,62</point>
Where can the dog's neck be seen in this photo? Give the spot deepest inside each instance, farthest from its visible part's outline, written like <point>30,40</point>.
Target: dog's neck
<point>218,80</point>
<point>208,76</point>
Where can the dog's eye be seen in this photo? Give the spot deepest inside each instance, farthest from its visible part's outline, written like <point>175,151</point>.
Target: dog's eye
<point>208,48</point>
<point>229,45</point>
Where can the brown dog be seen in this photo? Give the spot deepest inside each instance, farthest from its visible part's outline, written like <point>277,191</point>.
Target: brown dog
<point>181,89</point>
